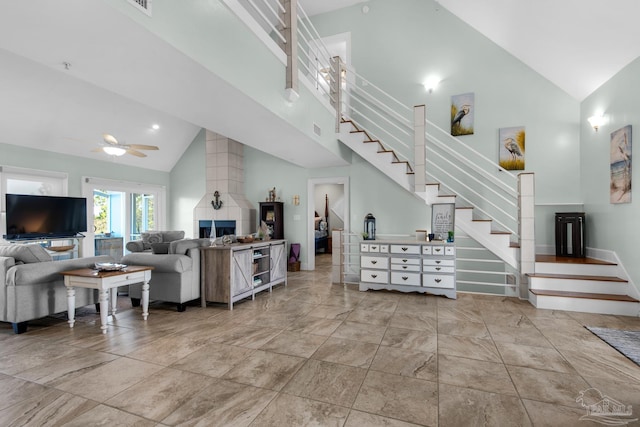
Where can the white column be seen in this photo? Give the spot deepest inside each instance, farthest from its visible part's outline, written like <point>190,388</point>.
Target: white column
<point>290,33</point>
<point>335,88</point>
<point>526,225</point>
<point>419,158</point>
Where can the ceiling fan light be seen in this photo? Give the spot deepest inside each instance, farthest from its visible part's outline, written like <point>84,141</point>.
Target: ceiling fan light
<point>114,151</point>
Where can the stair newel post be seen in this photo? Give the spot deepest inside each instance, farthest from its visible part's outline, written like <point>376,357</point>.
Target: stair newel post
<point>290,46</point>
<point>335,88</point>
<point>526,229</point>
<point>419,141</point>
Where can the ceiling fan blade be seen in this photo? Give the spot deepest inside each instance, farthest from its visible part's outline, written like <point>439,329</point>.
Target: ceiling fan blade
<point>143,147</point>
<point>109,139</point>
<point>136,153</point>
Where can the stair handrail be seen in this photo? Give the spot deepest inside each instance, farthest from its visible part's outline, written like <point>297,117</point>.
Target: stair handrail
<point>265,20</point>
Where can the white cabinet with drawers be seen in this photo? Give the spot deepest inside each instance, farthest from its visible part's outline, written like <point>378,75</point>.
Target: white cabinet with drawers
<point>428,267</point>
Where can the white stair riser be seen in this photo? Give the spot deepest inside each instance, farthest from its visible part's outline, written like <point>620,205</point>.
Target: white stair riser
<point>586,305</point>
<point>577,269</point>
<point>574,285</point>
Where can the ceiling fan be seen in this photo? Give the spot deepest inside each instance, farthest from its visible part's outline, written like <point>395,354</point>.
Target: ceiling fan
<point>112,147</point>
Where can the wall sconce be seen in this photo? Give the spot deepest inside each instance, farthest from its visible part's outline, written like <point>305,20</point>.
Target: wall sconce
<point>216,203</point>
<point>296,200</point>
<point>596,121</point>
<point>431,83</point>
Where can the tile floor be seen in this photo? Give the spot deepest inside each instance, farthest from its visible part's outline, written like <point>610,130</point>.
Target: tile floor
<point>313,353</point>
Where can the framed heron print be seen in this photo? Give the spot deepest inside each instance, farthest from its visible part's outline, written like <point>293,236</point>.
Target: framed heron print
<point>511,148</point>
<point>462,112</point>
<point>620,165</point>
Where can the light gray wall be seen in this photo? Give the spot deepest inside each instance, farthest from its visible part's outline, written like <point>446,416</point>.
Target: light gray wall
<point>397,44</point>
<point>77,167</point>
<point>188,182</point>
<point>611,226</point>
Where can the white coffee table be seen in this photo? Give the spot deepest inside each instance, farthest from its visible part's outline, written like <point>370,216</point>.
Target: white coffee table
<point>105,281</point>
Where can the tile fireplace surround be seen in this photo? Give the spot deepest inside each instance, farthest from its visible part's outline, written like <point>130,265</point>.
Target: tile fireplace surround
<point>225,174</point>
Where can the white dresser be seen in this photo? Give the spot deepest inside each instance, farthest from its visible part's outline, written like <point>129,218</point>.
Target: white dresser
<point>428,267</point>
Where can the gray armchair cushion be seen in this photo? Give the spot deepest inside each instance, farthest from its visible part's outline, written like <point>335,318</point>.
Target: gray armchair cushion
<point>151,237</point>
<point>162,263</point>
<point>135,246</point>
<point>170,236</point>
<point>160,248</point>
<point>25,253</point>
<point>181,247</point>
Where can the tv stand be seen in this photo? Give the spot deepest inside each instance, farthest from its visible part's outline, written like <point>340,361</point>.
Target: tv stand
<point>47,242</point>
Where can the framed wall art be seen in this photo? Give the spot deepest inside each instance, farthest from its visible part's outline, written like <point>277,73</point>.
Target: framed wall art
<point>511,148</point>
<point>620,166</point>
<point>462,108</point>
<point>443,220</point>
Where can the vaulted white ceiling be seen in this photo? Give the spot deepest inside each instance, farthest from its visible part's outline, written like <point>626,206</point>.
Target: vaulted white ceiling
<point>576,44</point>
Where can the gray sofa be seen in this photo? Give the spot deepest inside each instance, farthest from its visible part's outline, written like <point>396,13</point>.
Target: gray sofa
<point>32,287</point>
<point>176,274</point>
<point>154,241</point>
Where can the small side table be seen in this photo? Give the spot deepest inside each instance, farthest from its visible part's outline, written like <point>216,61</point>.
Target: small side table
<point>105,281</point>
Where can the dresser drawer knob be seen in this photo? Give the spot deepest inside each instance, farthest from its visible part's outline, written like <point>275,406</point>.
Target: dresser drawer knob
<point>404,267</point>
<point>438,262</point>
<point>438,268</point>
<point>373,276</point>
<point>405,260</point>
<point>438,280</point>
<point>374,262</point>
<point>438,250</point>
<point>405,249</point>
<point>404,277</point>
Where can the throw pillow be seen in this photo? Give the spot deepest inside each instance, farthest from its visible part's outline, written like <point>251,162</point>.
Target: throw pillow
<point>170,236</point>
<point>26,253</point>
<point>160,248</point>
<point>151,237</point>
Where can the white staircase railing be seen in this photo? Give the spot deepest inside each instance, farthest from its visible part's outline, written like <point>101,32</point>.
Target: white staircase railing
<point>475,179</point>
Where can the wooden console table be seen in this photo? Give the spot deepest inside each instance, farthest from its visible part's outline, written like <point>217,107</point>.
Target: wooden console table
<point>106,282</point>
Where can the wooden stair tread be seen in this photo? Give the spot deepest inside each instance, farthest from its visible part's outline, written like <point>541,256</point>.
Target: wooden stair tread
<point>578,277</point>
<point>481,220</point>
<point>514,245</point>
<point>500,232</point>
<point>587,295</point>
<point>571,260</point>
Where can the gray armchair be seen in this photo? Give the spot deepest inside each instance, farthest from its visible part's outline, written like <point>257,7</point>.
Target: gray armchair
<point>32,287</point>
<point>176,274</point>
<point>151,239</point>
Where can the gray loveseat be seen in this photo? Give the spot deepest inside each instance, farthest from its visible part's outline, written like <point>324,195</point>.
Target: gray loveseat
<point>32,287</point>
<point>176,274</point>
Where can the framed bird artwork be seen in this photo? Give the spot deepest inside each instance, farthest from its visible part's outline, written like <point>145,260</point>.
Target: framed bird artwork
<point>462,112</point>
<point>620,166</point>
<point>511,148</point>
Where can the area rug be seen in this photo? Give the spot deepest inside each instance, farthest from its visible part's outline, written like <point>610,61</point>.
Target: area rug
<point>626,342</point>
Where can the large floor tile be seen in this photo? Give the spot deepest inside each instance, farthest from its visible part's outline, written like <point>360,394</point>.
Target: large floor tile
<point>213,360</point>
<point>486,376</point>
<point>347,352</point>
<point>288,410</point>
<point>534,357</point>
<point>265,369</point>
<point>222,403</point>
<point>407,363</point>
<point>467,407</point>
<point>294,344</point>
<point>327,382</point>
<point>473,348</point>
<point>547,386</point>
<point>407,399</point>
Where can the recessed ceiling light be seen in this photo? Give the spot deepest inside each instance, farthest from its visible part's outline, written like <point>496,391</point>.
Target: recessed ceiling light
<point>155,126</point>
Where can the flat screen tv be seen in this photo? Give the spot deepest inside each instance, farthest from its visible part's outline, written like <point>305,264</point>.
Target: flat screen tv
<point>33,217</point>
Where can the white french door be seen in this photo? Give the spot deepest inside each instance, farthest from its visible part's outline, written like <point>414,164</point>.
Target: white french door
<point>124,209</point>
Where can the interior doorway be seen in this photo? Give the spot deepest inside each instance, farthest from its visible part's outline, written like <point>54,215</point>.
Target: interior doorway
<point>329,198</point>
